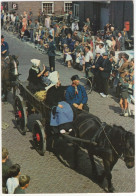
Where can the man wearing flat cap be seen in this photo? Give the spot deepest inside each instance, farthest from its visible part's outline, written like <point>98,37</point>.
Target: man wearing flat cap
<point>76,95</point>
<point>105,71</point>
<point>51,53</point>
<point>4,47</point>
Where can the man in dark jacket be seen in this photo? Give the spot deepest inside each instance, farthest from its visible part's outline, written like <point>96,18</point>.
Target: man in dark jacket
<point>51,53</point>
<point>120,42</point>
<point>105,71</point>
<point>95,70</point>
<point>70,18</point>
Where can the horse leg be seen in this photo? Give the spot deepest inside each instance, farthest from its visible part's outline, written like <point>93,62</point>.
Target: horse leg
<point>5,92</point>
<point>102,176</point>
<point>113,163</point>
<point>94,169</point>
<point>76,148</point>
<point>107,168</point>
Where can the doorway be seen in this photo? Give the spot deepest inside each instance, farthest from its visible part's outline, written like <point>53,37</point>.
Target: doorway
<point>104,17</point>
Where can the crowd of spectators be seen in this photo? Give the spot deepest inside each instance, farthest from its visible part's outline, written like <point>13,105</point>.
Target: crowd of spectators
<point>13,182</point>
<point>80,47</point>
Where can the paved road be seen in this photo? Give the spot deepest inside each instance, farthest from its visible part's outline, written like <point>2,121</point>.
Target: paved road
<point>48,173</point>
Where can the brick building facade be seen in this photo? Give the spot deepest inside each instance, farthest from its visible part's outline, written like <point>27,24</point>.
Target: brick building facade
<point>99,12</point>
<point>57,7</point>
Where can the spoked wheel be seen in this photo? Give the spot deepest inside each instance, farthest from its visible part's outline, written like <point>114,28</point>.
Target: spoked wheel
<point>39,137</point>
<point>20,114</point>
<point>87,84</point>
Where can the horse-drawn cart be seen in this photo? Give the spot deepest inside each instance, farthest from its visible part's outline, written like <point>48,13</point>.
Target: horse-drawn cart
<point>107,142</point>
<point>26,103</point>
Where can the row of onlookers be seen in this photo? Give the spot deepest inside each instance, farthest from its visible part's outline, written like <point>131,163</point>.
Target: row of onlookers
<point>79,48</point>
<point>13,182</point>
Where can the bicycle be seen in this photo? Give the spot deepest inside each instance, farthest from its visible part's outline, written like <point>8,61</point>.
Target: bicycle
<point>86,82</point>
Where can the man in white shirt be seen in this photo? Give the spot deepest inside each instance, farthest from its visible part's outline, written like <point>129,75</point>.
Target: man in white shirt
<point>47,22</point>
<point>88,59</point>
<point>75,26</point>
<point>101,49</point>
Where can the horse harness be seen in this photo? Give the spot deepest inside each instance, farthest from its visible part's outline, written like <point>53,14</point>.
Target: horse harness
<point>10,69</point>
<point>126,156</point>
<point>97,134</point>
<point>102,129</point>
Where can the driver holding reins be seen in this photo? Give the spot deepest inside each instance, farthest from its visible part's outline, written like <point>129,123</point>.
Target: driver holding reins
<point>76,94</point>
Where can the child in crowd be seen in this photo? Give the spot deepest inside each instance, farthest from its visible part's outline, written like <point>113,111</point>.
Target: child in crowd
<point>12,181</point>
<point>23,184</point>
<point>64,53</point>
<point>82,60</point>
<point>78,55</point>
<point>68,57</point>
<point>45,79</point>
<point>37,38</point>
<point>124,93</point>
<point>5,167</point>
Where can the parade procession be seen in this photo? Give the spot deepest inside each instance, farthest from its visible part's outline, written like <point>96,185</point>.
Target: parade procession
<point>67,97</point>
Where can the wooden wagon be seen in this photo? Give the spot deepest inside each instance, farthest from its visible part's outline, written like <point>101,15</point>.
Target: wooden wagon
<point>26,103</point>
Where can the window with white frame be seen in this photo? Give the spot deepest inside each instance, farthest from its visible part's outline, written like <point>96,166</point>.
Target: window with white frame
<point>67,6</point>
<point>76,10</point>
<point>48,7</point>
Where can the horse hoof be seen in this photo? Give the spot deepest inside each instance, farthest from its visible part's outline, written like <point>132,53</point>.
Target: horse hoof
<point>4,100</point>
<point>111,190</point>
<point>100,178</point>
<point>95,177</point>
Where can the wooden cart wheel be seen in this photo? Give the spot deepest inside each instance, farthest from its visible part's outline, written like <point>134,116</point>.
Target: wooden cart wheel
<point>39,137</point>
<point>20,114</point>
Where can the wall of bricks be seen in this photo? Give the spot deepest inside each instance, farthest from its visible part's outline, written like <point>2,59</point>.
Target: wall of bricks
<point>35,6</point>
<point>59,7</point>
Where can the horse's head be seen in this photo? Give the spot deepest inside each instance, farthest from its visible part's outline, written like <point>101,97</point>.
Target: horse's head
<point>11,60</point>
<point>129,149</point>
<point>14,59</point>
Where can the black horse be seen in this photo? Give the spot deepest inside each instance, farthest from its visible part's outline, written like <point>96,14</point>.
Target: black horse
<point>9,74</point>
<point>107,142</point>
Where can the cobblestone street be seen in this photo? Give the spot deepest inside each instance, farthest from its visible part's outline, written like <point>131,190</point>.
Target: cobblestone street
<point>48,174</point>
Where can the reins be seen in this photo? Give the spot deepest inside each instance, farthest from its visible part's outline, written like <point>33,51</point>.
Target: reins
<point>92,141</point>
<point>120,157</point>
<point>102,126</point>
